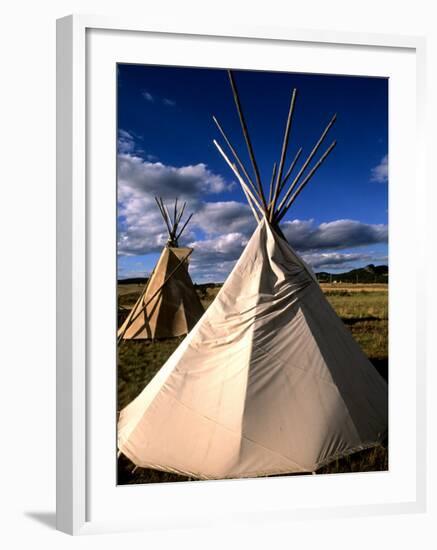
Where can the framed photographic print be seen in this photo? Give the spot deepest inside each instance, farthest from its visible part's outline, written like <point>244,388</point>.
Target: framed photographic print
<point>231,284</point>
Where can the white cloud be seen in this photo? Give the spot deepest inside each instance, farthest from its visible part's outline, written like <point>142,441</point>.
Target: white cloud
<point>219,230</point>
<point>148,96</point>
<point>334,260</point>
<point>151,98</point>
<point>211,273</point>
<point>222,217</point>
<point>141,227</point>
<point>213,259</point>
<point>125,142</point>
<point>305,235</point>
<point>228,246</point>
<point>380,172</point>
<point>155,178</point>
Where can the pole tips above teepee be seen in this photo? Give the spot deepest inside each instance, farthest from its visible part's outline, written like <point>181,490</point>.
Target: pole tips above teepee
<point>281,194</point>
<point>173,220</point>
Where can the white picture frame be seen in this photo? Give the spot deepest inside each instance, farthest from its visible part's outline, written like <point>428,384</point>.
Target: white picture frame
<point>75,398</point>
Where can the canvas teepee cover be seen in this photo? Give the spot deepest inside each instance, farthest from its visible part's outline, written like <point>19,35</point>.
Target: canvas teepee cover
<point>169,306</point>
<point>269,381</point>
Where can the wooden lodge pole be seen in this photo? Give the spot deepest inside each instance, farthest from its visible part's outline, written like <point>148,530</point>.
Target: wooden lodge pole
<point>247,139</point>
<point>308,160</point>
<point>280,215</point>
<point>283,153</point>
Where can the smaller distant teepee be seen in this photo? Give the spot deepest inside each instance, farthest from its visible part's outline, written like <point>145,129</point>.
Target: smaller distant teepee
<point>169,305</point>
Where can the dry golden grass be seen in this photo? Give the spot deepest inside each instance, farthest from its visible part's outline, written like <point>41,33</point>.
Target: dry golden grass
<point>377,287</point>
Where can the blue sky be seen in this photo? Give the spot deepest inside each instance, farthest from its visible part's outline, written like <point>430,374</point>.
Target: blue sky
<point>165,133</point>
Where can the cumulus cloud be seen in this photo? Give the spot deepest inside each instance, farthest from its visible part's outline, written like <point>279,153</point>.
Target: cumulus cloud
<point>334,260</point>
<point>125,142</point>
<point>152,178</point>
<point>305,235</point>
<point>128,143</point>
<point>212,273</point>
<point>229,217</point>
<point>379,173</point>
<point>141,228</point>
<point>224,247</point>
<point>219,229</point>
<point>213,259</point>
<point>223,226</point>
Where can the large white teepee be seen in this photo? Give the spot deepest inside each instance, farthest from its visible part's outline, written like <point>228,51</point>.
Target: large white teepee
<point>269,381</point>
<point>169,305</point>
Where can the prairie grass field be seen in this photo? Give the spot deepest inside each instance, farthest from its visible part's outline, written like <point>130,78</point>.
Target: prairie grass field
<point>362,307</point>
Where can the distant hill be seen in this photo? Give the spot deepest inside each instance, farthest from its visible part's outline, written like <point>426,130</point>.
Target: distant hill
<point>369,274</point>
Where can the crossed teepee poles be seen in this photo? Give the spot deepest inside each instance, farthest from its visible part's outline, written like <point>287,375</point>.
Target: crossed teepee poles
<point>252,186</point>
